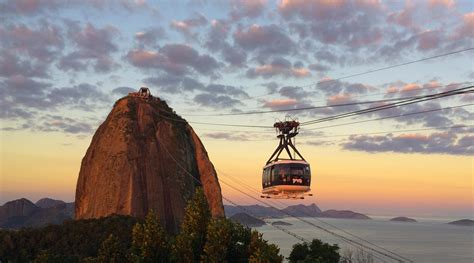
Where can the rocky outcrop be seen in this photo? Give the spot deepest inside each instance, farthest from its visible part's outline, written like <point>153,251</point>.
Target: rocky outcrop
<point>462,222</point>
<point>281,223</point>
<point>247,220</point>
<point>141,159</point>
<point>346,214</point>
<point>403,219</point>
<point>303,210</point>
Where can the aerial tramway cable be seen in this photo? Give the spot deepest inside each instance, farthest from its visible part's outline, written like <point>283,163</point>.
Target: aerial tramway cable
<point>244,185</point>
<point>321,106</point>
<point>407,101</point>
<point>228,200</point>
<point>464,90</point>
<point>353,243</point>
<point>392,116</point>
<point>371,71</point>
<point>348,240</point>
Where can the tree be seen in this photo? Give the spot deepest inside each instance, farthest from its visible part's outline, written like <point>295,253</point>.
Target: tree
<point>189,243</point>
<point>149,241</point>
<point>261,251</point>
<point>240,243</point>
<point>111,250</point>
<point>299,252</point>
<point>218,240</point>
<point>316,251</point>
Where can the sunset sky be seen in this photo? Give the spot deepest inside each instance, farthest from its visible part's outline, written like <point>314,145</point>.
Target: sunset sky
<point>64,63</point>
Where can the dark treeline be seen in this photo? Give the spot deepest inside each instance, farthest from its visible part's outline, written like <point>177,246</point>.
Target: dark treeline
<point>121,238</point>
<point>127,239</point>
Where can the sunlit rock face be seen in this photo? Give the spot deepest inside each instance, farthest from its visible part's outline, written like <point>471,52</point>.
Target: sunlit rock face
<point>129,169</point>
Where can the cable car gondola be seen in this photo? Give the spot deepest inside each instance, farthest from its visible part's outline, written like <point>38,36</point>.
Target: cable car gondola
<point>286,178</point>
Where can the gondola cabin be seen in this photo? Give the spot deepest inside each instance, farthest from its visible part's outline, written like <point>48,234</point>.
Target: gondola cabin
<point>286,178</point>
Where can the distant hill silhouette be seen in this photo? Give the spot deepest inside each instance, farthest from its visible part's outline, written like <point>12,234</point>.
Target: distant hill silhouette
<point>48,202</point>
<point>24,213</point>
<point>347,214</point>
<point>294,210</point>
<point>247,220</point>
<point>462,222</point>
<point>403,219</point>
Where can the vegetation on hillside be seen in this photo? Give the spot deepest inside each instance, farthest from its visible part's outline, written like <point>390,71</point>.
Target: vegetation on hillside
<point>127,239</point>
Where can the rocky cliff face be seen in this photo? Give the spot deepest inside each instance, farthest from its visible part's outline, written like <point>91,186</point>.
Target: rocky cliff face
<point>137,161</point>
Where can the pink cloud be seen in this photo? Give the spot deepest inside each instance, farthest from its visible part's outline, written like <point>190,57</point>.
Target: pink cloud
<point>186,26</point>
<point>410,87</point>
<point>441,3</point>
<point>339,98</point>
<point>269,70</point>
<point>280,103</point>
<point>429,40</point>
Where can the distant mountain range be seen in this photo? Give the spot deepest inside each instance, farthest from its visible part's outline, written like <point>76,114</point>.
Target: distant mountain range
<point>294,210</point>
<point>24,213</point>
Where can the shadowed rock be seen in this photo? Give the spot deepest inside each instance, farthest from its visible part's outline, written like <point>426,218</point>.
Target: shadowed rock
<point>137,161</point>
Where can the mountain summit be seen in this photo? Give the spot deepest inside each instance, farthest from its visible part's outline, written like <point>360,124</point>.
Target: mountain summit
<point>139,160</point>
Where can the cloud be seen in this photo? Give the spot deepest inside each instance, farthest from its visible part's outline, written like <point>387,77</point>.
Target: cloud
<point>433,119</point>
<point>20,94</point>
<point>219,96</point>
<point>56,123</point>
<point>349,23</point>
<point>42,43</point>
<point>227,90</point>
<point>176,59</point>
<point>319,67</point>
<point>216,101</point>
<point>150,37</point>
<point>122,91</point>
<point>12,64</point>
<point>247,8</point>
<point>228,136</point>
<point>216,41</point>
<point>279,66</point>
<point>266,40</point>
<point>187,26</point>
<point>37,7</point>
<point>331,87</point>
<point>279,103</point>
<point>93,46</point>
<point>434,143</point>
<point>173,84</point>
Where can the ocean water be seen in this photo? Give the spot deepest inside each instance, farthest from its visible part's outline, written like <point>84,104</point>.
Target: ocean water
<point>428,240</point>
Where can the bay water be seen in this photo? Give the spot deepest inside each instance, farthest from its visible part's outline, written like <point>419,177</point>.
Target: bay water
<point>428,240</point>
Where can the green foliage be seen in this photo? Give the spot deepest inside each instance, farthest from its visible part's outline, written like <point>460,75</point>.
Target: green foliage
<point>316,251</point>
<point>189,243</point>
<point>218,240</point>
<point>149,241</point>
<point>127,239</point>
<point>261,251</point>
<point>359,256</point>
<point>112,250</point>
<point>72,241</point>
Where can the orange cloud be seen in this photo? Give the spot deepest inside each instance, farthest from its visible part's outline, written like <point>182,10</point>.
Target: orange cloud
<point>339,98</point>
<point>280,103</point>
<point>410,87</point>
